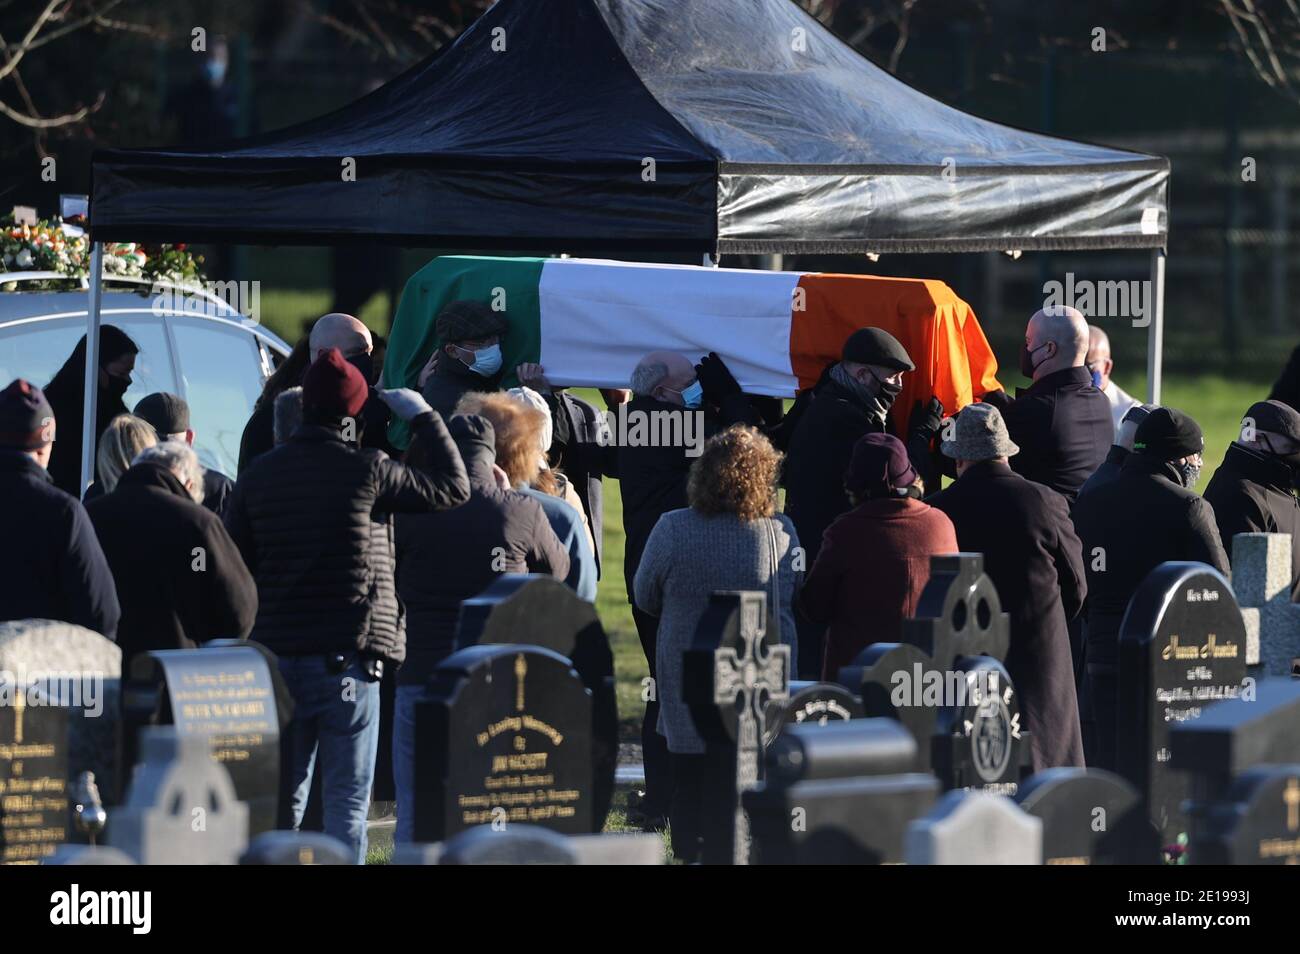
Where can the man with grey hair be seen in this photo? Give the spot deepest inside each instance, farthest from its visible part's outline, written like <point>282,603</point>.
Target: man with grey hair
<point>652,480</point>
<point>1100,365</point>
<point>288,413</point>
<point>180,579</point>
<point>1061,422</point>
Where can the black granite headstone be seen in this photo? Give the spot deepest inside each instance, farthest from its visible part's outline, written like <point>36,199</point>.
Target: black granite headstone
<point>843,793</point>
<point>731,674</point>
<point>506,739</point>
<point>229,691</point>
<point>542,611</point>
<point>1243,759</point>
<point>34,812</point>
<point>810,703</point>
<point>878,675</point>
<point>1182,646</point>
<point>978,742</point>
<point>1090,817</point>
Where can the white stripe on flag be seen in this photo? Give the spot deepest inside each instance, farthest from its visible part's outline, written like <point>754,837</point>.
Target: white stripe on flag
<point>598,319</point>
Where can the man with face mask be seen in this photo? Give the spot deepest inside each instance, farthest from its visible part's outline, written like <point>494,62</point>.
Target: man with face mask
<point>1061,423</point>
<point>854,400</point>
<point>468,357</point>
<point>1254,489</point>
<point>1146,516</point>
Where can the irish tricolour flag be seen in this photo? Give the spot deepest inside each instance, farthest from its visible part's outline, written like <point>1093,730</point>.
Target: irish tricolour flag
<point>588,322</point>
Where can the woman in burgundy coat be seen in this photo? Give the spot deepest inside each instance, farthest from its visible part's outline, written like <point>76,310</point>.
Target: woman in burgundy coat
<point>874,560</point>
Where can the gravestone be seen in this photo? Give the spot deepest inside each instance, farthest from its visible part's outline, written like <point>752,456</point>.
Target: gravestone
<point>1243,756</point>
<point>975,828</point>
<point>297,848</point>
<point>978,742</point>
<point>88,855</point>
<point>874,677</point>
<point>34,811</point>
<point>842,793</point>
<point>1261,580</point>
<point>228,692</point>
<point>959,612</point>
<point>946,682</point>
<point>730,675</point>
<point>1181,647</point>
<point>1090,817</point>
<point>181,807</point>
<point>88,669</point>
<point>537,610</point>
<point>505,739</point>
<point>811,703</point>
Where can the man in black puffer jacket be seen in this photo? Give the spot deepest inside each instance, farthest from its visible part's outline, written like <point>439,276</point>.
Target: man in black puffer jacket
<point>313,520</point>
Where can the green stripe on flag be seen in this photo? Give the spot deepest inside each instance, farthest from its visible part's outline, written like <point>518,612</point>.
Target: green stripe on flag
<point>508,284</point>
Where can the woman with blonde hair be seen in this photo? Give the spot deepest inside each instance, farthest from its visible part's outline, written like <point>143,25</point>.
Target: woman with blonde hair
<point>125,436</point>
<point>729,538</point>
<point>519,427</point>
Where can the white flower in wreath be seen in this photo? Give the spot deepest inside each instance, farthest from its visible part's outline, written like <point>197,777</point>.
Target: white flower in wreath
<point>24,259</point>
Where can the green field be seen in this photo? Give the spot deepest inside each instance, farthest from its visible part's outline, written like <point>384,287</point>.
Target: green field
<point>1214,400</point>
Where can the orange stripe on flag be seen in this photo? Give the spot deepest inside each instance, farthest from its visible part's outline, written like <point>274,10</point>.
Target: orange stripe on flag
<point>940,332</point>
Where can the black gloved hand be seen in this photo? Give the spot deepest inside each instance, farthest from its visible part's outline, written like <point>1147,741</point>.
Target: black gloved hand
<point>926,420</point>
<point>715,379</point>
<point>999,399</point>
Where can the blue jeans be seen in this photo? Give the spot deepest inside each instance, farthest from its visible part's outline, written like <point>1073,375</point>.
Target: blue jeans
<point>337,714</point>
<point>408,697</point>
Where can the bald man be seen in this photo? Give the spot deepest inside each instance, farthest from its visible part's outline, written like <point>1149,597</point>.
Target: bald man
<point>1061,423</point>
<point>1100,365</point>
<point>354,342</point>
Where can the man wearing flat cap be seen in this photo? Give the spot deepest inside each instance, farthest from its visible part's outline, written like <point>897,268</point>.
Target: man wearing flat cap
<point>1254,489</point>
<point>169,416</point>
<point>51,566</point>
<point>853,399</point>
<point>1146,516</point>
<point>1035,560</point>
<point>468,356</point>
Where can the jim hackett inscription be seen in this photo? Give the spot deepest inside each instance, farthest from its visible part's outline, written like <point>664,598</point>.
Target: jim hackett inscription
<point>506,739</point>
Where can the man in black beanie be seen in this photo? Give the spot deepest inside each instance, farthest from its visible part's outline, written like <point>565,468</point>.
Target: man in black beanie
<point>1254,489</point>
<point>169,416</point>
<point>51,566</point>
<point>1146,516</point>
<point>468,356</point>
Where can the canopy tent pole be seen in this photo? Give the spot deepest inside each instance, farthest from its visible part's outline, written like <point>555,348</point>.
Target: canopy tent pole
<point>88,434</point>
<point>1156,326</point>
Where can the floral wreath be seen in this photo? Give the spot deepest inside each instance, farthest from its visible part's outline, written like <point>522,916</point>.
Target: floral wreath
<point>52,246</point>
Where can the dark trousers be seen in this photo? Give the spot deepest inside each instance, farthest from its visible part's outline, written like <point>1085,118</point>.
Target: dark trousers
<point>686,813</point>
<point>654,747</point>
<point>1100,716</point>
<point>812,648</point>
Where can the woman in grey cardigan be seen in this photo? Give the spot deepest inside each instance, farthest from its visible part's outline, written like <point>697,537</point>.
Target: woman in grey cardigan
<point>730,538</point>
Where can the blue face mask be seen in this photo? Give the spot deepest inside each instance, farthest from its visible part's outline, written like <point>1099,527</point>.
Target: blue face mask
<point>487,361</point>
<point>216,71</point>
<point>693,396</point>
<point>1096,380</point>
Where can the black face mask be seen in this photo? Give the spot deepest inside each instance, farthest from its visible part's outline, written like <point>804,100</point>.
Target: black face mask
<point>886,394</point>
<point>364,363</point>
<point>1027,366</point>
<point>118,384</point>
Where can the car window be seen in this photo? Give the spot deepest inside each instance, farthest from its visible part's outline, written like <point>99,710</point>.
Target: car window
<point>221,368</point>
<point>35,350</point>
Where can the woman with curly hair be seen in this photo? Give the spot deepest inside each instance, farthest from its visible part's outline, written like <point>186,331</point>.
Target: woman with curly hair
<point>729,538</point>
